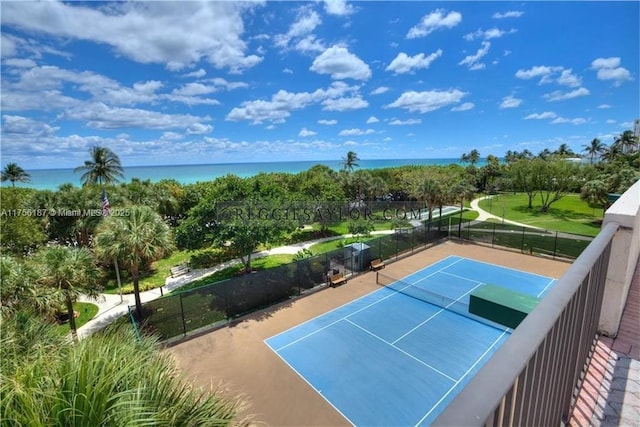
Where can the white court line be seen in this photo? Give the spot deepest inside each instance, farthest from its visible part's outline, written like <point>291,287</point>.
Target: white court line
<point>461,378</point>
<point>352,313</point>
<point>401,350</point>
<point>461,277</point>
<point>508,268</point>
<point>317,391</point>
<point>357,299</point>
<point>545,288</point>
<point>439,311</point>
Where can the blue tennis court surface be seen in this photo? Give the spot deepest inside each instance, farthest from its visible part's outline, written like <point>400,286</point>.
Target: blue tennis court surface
<point>388,359</point>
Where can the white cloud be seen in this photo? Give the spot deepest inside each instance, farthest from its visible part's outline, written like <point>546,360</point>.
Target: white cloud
<point>338,62</point>
<point>310,44</point>
<point>196,74</point>
<point>536,71</point>
<point>379,90</point>
<point>567,78</point>
<point>576,121</point>
<point>282,103</point>
<point>610,121</point>
<point>355,132</point>
<point>19,62</point>
<point>613,62</point>
<point>492,33</point>
<point>542,116</point>
<point>427,101</point>
<point>147,32</point>
<point>472,60</point>
<point>305,132</point>
<point>171,136</point>
<point>510,102</point>
<point>509,14</point>
<point>100,116</point>
<point>398,122</point>
<point>603,106</point>
<point>558,95</point>
<point>327,122</point>
<point>287,71</point>
<point>438,19</point>
<point>463,107</point>
<point>199,129</point>
<point>404,64</point>
<point>610,69</point>
<point>344,104</point>
<point>25,127</point>
<point>306,21</point>
<point>372,119</point>
<point>338,7</point>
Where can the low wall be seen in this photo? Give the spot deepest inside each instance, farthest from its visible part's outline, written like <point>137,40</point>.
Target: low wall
<point>625,251</point>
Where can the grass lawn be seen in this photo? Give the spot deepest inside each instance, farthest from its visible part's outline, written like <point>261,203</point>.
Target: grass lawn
<point>86,310</point>
<point>263,263</point>
<point>569,214</point>
<point>160,270</point>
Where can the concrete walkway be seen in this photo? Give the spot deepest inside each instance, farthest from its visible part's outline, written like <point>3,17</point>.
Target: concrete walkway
<point>484,215</point>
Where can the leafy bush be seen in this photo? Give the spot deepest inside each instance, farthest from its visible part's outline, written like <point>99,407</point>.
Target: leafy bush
<point>208,258</point>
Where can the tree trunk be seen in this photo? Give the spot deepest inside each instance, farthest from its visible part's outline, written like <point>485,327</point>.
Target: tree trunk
<point>72,318</point>
<point>135,275</point>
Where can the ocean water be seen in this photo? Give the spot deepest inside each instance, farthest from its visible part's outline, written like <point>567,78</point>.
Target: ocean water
<point>51,179</point>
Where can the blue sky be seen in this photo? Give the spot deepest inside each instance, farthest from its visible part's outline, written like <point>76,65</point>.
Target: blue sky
<point>216,82</point>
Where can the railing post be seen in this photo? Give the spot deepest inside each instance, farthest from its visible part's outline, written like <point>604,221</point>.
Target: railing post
<point>184,323</point>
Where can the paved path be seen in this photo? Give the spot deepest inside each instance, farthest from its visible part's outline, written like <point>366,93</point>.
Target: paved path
<point>484,215</point>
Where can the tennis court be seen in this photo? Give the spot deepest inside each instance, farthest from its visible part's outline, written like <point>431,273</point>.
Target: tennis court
<point>388,358</point>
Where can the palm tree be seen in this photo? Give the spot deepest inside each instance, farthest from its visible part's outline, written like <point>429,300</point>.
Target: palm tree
<point>136,240</point>
<point>612,152</point>
<point>350,162</point>
<point>113,378</point>
<point>474,157</point>
<point>19,288</point>
<point>564,151</point>
<point>103,168</point>
<point>594,148</point>
<point>627,141</point>
<point>464,158</point>
<point>14,173</point>
<point>69,272</point>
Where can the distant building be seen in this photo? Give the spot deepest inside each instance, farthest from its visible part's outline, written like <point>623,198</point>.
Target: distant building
<point>636,128</point>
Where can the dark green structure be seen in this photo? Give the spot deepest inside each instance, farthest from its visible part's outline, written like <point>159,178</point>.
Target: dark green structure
<point>501,305</point>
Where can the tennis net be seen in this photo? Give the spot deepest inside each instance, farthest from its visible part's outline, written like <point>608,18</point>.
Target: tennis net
<point>442,301</point>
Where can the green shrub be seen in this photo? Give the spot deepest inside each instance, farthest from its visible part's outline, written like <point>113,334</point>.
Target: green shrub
<point>208,258</point>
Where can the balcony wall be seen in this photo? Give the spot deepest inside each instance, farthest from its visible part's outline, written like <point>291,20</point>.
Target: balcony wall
<point>624,256</point>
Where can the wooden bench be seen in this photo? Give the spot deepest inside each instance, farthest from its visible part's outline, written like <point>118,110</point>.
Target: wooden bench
<point>377,264</point>
<point>179,270</point>
<point>337,279</point>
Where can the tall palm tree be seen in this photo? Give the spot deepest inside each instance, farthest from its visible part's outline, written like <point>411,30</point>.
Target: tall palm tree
<point>474,157</point>
<point>14,173</point>
<point>612,152</point>
<point>627,141</point>
<point>134,240</point>
<point>350,162</point>
<point>102,168</point>
<point>564,150</point>
<point>594,148</point>
<point>19,288</point>
<point>69,272</point>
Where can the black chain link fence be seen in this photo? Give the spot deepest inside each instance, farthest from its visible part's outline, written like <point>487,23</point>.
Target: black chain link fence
<point>179,314</point>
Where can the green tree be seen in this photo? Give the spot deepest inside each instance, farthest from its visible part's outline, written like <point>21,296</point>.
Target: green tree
<point>523,177</point>
<point>69,272</point>
<point>134,240</point>
<point>555,179</point>
<point>350,162</point>
<point>612,153</point>
<point>595,192</point>
<point>594,148</point>
<point>14,173</point>
<point>564,151</point>
<point>360,227</point>
<point>474,157</point>
<point>107,379</point>
<point>20,290</point>
<point>627,142</point>
<point>427,189</point>
<point>102,168</point>
<point>21,233</point>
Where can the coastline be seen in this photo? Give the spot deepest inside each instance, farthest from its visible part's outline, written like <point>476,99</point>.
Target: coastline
<point>51,179</point>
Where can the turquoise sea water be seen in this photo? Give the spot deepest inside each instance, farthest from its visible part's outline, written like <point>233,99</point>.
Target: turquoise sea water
<point>51,179</point>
